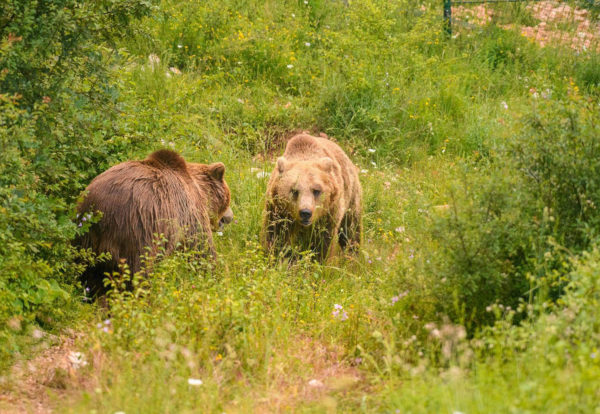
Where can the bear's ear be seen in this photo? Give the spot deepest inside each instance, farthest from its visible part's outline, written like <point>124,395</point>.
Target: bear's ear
<point>326,163</point>
<point>216,170</point>
<point>281,164</point>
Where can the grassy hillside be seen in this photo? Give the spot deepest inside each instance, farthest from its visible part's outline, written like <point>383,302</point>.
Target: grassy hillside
<point>476,289</point>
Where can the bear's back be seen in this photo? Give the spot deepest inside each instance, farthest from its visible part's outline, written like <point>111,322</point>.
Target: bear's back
<point>139,199</point>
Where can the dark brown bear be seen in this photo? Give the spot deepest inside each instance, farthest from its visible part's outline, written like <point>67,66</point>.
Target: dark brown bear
<point>314,200</point>
<point>162,194</point>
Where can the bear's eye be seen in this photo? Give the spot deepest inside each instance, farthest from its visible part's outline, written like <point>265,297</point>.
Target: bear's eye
<point>316,193</point>
<point>294,193</point>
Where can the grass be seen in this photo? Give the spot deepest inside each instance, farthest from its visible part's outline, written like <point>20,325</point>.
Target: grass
<point>419,114</point>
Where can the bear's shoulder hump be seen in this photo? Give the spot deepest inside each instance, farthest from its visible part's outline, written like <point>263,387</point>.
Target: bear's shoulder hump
<point>167,159</point>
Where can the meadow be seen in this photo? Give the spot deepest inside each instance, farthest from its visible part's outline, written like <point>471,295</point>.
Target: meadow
<point>476,289</point>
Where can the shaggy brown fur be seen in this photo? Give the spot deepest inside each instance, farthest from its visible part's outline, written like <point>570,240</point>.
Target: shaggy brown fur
<point>162,194</point>
<point>314,199</point>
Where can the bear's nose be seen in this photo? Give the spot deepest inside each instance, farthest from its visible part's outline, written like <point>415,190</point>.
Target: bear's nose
<point>305,214</point>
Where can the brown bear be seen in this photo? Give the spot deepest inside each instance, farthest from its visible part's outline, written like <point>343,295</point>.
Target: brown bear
<point>314,199</point>
<point>162,194</point>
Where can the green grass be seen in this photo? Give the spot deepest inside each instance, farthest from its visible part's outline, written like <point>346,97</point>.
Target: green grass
<point>430,122</point>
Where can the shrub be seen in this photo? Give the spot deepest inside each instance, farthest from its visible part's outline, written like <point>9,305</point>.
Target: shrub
<point>58,129</point>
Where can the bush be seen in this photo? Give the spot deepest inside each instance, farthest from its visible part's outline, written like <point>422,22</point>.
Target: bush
<point>58,129</point>
<point>512,221</point>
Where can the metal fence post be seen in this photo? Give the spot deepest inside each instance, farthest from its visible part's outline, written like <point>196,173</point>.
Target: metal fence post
<point>448,16</point>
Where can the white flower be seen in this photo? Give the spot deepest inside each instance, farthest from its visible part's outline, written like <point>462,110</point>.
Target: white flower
<point>119,412</point>
<point>262,174</point>
<point>504,104</point>
<point>293,15</point>
<point>219,233</point>
<point>290,66</point>
<point>400,229</point>
<point>371,150</point>
<point>179,46</point>
<point>364,171</point>
<point>307,44</point>
<point>315,383</point>
<point>373,164</point>
<point>175,70</point>
<point>305,1</point>
<point>77,359</point>
<point>196,382</point>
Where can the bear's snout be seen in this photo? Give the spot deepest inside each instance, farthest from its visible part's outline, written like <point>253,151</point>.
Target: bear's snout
<point>305,215</point>
<point>227,218</point>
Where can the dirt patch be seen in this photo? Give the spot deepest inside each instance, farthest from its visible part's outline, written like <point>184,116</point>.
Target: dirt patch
<point>316,374</point>
<point>559,24</point>
<point>36,385</point>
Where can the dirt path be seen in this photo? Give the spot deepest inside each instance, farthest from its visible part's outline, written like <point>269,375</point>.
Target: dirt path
<point>37,385</point>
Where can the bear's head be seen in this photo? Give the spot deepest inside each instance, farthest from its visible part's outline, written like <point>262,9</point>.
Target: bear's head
<point>306,188</point>
<point>210,178</point>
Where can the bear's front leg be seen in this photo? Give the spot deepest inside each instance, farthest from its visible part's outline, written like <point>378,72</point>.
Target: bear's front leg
<point>349,236</point>
<point>276,230</point>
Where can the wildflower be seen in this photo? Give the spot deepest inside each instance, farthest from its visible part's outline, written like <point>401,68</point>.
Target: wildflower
<point>105,329</point>
<point>175,70</point>
<point>400,229</point>
<point>107,322</point>
<point>339,312</point>
<point>305,1</point>
<point>364,171</point>
<point>262,174</point>
<point>290,66</point>
<point>358,360</point>
<point>315,383</point>
<point>533,93</point>
<point>371,150</point>
<point>179,46</point>
<point>195,382</point>
<point>547,94</point>
<point>399,296</point>
<point>293,15</point>
<point>307,44</point>
<point>504,104</point>
<point>373,164</point>
<point>153,59</point>
<point>219,233</point>
<point>77,359</point>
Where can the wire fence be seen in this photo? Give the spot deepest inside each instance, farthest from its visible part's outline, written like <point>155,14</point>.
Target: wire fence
<point>574,24</point>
